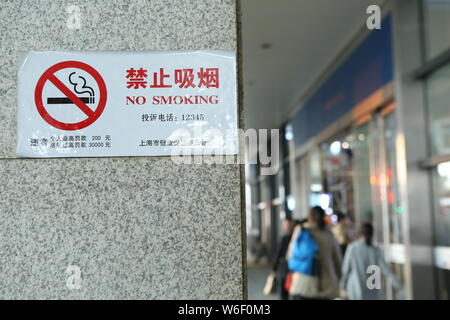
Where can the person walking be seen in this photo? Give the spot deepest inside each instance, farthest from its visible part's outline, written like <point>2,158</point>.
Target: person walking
<point>341,232</point>
<point>314,260</point>
<point>361,261</point>
<point>280,267</point>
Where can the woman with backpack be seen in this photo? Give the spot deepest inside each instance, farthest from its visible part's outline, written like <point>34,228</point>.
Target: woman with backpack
<point>314,260</point>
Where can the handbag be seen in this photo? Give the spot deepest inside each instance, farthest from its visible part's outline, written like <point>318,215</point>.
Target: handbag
<point>288,282</point>
<point>270,287</point>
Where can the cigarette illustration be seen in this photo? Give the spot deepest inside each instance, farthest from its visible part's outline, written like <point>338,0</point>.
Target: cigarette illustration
<point>61,100</point>
<point>79,86</point>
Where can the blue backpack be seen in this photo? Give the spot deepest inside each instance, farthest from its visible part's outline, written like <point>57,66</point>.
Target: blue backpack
<point>305,254</point>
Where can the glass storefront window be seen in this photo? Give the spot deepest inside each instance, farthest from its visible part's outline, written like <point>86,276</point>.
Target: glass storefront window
<point>337,157</point>
<point>395,211</point>
<point>437,26</point>
<point>442,203</point>
<point>443,283</point>
<point>437,32</point>
<point>315,177</point>
<point>363,193</point>
<point>438,88</point>
<point>376,158</point>
<point>303,187</point>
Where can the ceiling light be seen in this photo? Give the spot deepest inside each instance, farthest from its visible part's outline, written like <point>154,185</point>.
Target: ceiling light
<point>288,134</point>
<point>443,170</point>
<point>291,203</point>
<point>335,148</point>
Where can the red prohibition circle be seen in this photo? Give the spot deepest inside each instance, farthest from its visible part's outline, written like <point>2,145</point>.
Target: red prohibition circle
<point>49,75</point>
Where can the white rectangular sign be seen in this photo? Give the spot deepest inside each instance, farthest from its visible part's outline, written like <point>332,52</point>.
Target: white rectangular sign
<point>92,104</point>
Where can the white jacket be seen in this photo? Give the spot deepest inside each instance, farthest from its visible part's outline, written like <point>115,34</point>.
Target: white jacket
<point>358,257</point>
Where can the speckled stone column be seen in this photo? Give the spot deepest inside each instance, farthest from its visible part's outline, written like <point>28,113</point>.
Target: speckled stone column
<point>138,228</point>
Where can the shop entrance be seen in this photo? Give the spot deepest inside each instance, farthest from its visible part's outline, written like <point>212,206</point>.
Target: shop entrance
<point>375,185</point>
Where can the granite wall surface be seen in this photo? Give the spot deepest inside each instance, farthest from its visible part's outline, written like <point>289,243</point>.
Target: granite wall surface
<point>138,228</point>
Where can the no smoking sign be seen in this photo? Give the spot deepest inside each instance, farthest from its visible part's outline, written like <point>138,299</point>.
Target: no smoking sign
<point>113,103</point>
<point>78,87</point>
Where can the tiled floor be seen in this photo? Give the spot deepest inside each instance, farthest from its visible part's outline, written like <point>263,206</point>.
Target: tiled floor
<point>257,276</point>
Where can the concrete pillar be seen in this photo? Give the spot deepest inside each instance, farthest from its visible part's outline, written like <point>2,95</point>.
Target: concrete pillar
<point>137,228</point>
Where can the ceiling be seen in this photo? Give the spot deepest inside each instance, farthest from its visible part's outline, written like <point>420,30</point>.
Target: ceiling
<point>287,45</point>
